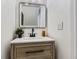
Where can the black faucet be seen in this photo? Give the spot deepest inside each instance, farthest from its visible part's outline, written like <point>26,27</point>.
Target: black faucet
<point>32,34</point>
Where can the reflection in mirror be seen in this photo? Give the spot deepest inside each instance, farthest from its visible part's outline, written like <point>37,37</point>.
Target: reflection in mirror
<point>32,15</point>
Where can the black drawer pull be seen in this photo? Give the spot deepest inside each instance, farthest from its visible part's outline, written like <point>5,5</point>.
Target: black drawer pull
<point>38,51</point>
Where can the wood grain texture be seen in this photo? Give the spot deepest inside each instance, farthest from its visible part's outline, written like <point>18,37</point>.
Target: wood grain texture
<point>33,51</point>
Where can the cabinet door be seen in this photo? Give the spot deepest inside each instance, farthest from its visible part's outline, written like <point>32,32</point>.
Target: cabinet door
<point>45,50</point>
<point>34,52</point>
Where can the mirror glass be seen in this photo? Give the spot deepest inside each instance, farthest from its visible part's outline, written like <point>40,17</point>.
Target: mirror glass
<point>32,15</point>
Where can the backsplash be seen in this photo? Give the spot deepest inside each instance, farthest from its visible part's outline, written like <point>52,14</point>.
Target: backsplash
<point>37,31</point>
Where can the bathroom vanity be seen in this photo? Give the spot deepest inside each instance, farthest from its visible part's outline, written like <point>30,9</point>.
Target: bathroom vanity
<point>32,15</point>
<point>33,48</point>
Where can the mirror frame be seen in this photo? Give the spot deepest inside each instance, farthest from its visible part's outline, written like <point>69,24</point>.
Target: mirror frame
<point>32,4</point>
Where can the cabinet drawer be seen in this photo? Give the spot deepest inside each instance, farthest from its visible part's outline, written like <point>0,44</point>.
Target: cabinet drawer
<point>34,52</point>
<point>42,57</point>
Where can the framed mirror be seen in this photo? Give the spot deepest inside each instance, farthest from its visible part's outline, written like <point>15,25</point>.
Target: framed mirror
<point>32,15</point>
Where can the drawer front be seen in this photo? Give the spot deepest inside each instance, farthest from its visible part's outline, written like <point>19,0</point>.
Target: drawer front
<point>42,57</point>
<point>34,52</point>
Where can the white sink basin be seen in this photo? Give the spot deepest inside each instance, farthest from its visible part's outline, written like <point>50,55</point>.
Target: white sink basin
<point>31,39</point>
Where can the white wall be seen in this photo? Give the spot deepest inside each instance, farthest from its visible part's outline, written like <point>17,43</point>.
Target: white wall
<point>7,26</point>
<point>63,10</point>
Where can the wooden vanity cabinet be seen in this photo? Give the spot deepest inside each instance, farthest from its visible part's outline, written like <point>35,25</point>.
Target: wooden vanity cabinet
<point>44,50</point>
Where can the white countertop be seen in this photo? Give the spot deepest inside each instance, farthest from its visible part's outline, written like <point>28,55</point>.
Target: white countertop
<point>31,39</point>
